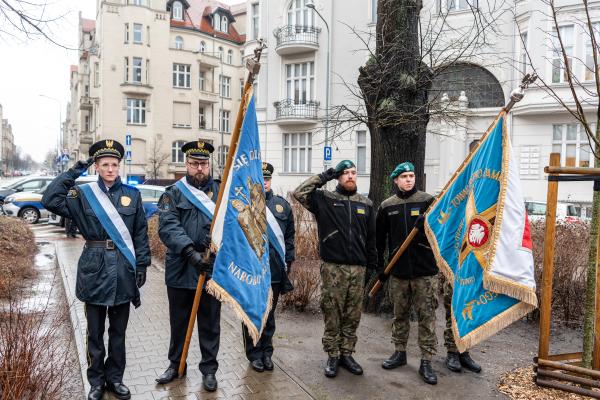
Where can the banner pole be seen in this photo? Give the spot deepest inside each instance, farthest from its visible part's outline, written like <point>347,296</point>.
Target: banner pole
<point>516,96</point>
<point>253,66</point>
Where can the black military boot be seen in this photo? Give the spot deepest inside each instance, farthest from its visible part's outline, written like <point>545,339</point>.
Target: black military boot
<point>331,368</point>
<point>257,365</point>
<point>427,373</point>
<point>397,359</point>
<point>351,365</point>
<point>268,363</point>
<point>209,382</point>
<point>119,390</point>
<point>453,361</point>
<point>467,362</point>
<point>96,392</point>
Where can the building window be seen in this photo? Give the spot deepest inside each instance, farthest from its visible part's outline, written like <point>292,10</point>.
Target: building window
<point>86,123</point>
<point>590,66</point>
<point>529,162</point>
<point>222,155</point>
<point>202,47</point>
<point>202,81</point>
<point>224,121</point>
<point>242,87</point>
<point>181,76</point>
<point>136,2</point>
<point>217,22</point>
<point>137,33</point>
<point>176,153</point>
<point>220,53</point>
<point>96,74</point>
<point>299,15</point>
<point>137,70</point>
<point>255,21</point>
<point>201,117</point>
<point>148,35</point>
<point>136,111</point>
<point>229,57</point>
<point>224,24</point>
<point>297,152</point>
<point>182,115</point>
<point>374,11</point>
<point>361,152</point>
<point>559,70</point>
<point>455,5</point>
<point>523,53</point>
<point>126,69</point>
<point>571,142</point>
<point>126,33</point>
<point>178,43</point>
<point>177,11</point>
<point>147,72</point>
<point>300,82</point>
<point>225,86</point>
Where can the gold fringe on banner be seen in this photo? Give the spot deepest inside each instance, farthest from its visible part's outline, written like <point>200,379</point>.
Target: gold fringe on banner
<point>223,296</point>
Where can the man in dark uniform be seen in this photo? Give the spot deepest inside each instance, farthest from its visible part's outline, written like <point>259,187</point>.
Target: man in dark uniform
<point>346,227</point>
<point>109,273</point>
<point>184,228</point>
<point>414,278</point>
<point>260,355</point>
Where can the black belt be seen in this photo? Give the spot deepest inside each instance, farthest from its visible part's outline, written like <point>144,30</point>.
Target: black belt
<point>106,244</point>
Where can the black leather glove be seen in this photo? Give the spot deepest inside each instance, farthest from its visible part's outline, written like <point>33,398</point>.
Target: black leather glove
<point>207,241</point>
<point>196,260</point>
<point>420,223</point>
<point>328,175</point>
<point>81,166</point>
<point>140,278</point>
<point>382,276</point>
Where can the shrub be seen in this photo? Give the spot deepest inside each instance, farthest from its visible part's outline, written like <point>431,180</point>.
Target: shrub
<point>157,247</point>
<point>17,254</point>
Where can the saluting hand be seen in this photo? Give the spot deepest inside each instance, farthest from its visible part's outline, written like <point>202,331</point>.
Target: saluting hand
<point>81,166</point>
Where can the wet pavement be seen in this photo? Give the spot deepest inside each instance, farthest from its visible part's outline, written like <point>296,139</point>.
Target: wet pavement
<point>148,342</point>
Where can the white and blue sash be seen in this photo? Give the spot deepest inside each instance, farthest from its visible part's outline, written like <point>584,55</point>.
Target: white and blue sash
<point>276,238</point>
<point>110,219</point>
<point>197,197</point>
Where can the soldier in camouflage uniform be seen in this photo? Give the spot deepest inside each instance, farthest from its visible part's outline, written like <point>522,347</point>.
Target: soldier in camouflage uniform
<point>455,360</point>
<point>414,278</point>
<point>346,227</point>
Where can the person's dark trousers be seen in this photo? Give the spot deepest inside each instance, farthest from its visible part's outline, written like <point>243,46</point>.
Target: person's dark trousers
<point>264,347</point>
<point>110,370</point>
<point>208,322</point>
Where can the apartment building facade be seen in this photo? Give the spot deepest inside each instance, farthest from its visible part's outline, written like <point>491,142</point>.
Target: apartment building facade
<point>7,146</point>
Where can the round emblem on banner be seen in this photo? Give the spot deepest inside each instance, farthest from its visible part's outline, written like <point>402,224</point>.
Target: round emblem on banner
<point>279,208</point>
<point>478,233</point>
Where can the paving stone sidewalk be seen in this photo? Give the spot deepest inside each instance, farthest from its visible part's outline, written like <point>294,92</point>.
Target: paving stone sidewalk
<point>148,342</point>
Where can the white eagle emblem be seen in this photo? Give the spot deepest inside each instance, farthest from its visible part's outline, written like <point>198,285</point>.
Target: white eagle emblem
<point>476,234</point>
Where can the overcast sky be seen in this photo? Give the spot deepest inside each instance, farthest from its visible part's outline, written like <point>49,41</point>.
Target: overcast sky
<point>34,67</point>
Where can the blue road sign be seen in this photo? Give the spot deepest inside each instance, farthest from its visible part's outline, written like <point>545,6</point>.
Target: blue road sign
<point>127,140</point>
<point>64,158</point>
<point>327,153</point>
<point>128,156</point>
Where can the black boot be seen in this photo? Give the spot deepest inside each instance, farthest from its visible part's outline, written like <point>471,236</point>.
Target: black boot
<point>331,368</point>
<point>467,362</point>
<point>427,373</point>
<point>268,363</point>
<point>453,361</point>
<point>96,393</point>
<point>119,390</point>
<point>167,376</point>
<point>209,381</point>
<point>397,359</point>
<point>257,365</point>
<point>351,365</point>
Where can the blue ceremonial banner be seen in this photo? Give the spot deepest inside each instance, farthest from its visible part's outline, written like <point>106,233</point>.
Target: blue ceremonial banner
<point>479,233</point>
<point>241,274</point>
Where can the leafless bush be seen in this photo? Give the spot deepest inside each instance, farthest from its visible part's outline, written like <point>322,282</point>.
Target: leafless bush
<point>305,274</point>
<point>570,261</point>
<point>17,253</point>
<point>157,247</point>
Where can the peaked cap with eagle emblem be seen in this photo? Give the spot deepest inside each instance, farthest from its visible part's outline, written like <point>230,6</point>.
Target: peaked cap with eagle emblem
<point>107,148</point>
<point>267,170</point>
<point>198,149</point>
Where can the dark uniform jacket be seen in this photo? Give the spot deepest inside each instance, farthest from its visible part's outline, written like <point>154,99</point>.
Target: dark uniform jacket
<point>104,276</point>
<point>282,211</point>
<point>395,219</point>
<point>345,222</point>
<point>182,224</point>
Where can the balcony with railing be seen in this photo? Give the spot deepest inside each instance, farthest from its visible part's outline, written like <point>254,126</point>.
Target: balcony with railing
<point>289,112</point>
<point>86,102</point>
<point>294,39</point>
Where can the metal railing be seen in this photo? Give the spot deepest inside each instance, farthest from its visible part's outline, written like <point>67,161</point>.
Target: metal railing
<point>297,34</point>
<point>288,108</point>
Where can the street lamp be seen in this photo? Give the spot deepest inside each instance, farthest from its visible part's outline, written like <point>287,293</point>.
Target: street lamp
<point>311,4</point>
<point>59,142</point>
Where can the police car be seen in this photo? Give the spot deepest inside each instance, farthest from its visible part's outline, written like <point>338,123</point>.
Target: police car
<point>26,205</point>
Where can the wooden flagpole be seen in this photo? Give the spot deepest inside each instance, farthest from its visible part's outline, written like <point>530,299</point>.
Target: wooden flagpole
<point>253,66</point>
<point>515,96</point>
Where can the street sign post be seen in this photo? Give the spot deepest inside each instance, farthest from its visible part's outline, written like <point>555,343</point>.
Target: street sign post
<point>327,153</point>
<point>128,140</point>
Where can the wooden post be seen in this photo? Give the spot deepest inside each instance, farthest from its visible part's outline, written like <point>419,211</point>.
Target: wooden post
<point>548,264</point>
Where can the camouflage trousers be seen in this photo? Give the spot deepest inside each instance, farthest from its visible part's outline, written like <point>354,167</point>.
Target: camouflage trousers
<point>422,294</point>
<point>341,302</point>
<point>448,334</point>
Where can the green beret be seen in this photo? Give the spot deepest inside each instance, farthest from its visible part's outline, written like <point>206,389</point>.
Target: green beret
<point>344,165</point>
<point>401,168</point>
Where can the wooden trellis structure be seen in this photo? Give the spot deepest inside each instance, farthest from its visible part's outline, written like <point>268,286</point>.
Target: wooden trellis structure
<point>564,371</point>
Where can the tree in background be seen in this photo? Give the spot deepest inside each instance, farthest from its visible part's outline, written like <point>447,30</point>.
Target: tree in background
<point>156,160</point>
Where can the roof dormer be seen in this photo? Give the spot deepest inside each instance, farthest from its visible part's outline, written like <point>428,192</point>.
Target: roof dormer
<point>221,19</point>
<point>177,8</point>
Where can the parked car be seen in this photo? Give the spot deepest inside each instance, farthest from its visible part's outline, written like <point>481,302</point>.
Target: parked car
<point>27,206</point>
<point>26,184</point>
<point>536,210</point>
<point>57,219</point>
